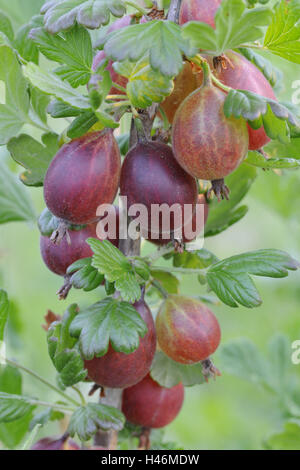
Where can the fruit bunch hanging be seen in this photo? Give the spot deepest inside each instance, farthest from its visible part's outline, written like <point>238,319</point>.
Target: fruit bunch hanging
<point>167,111</point>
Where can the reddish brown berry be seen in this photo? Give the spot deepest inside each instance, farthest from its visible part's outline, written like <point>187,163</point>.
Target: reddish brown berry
<point>151,176</point>
<point>83,175</point>
<point>50,443</point>
<point>149,405</point>
<point>120,370</point>
<point>59,257</point>
<point>199,10</point>
<point>243,75</point>
<point>206,143</point>
<point>187,331</point>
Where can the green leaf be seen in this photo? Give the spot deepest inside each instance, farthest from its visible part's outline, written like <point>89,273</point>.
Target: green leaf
<point>4,309</point>
<point>14,113</point>
<point>15,204</point>
<point>160,41</point>
<point>257,159</point>
<point>123,143</point>
<point>84,275</point>
<point>13,432</point>
<point>242,359</point>
<point>72,49</point>
<point>33,156</point>
<point>288,439</point>
<point>235,25</point>
<point>6,26</point>
<point>144,86</point>
<point>39,104</point>
<point>272,74</point>
<point>63,351</point>
<point>51,84</point>
<point>226,213</point>
<point>88,419</point>
<point>108,322</point>
<point>230,279</point>
<point>82,124</point>
<point>169,373</point>
<point>47,223</point>
<point>13,407</point>
<point>62,14</point>
<point>283,35</point>
<point>116,268</point>
<point>279,350</point>
<point>168,281</point>
<point>26,48</point>
<point>198,259</point>
<point>44,416</point>
<point>59,109</point>
<point>261,111</point>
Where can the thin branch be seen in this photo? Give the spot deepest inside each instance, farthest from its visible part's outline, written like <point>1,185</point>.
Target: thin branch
<point>41,379</point>
<point>174,10</point>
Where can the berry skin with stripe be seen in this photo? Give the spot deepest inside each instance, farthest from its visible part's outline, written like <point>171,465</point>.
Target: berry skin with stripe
<point>187,330</point>
<point>206,144</point>
<point>83,175</point>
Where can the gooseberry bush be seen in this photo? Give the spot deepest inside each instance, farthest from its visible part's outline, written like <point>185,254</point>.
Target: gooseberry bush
<point>164,103</point>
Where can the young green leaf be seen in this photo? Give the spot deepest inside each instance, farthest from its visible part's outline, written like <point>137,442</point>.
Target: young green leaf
<point>59,109</point>
<point>198,259</point>
<point>86,420</point>
<point>51,84</point>
<point>145,86</point>
<point>11,433</point>
<point>84,275</point>
<point>230,279</point>
<point>61,15</point>
<point>63,351</point>
<point>235,25</point>
<point>15,204</point>
<point>44,416</point>
<point>116,268</point>
<point>160,41</point>
<point>257,159</point>
<point>47,223</point>
<point>169,373</point>
<point>226,213</point>
<point>82,124</point>
<point>108,322</point>
<point>242,359</point>
<point>272,74</point>
<point>72,49</point>
<point>168,281</point>
<point>14,113</point>
<point>279,349</point>
<point>13,407</point>
<point>6,26</point>
<point>283,35</point>
<point>261,111</point>
<point>33,156</point>
<point>27,49</point>
<point>4,309</point>
<point>288,439</point>
<point>39,104</point>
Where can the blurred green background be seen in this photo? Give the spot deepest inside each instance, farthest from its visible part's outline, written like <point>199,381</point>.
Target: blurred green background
<point>228,413</point>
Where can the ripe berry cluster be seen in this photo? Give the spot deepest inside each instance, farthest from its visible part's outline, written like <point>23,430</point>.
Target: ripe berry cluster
<point>87,172</point>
